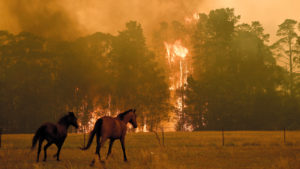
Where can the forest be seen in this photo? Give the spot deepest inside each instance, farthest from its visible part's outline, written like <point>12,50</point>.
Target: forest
<point>228,75</point>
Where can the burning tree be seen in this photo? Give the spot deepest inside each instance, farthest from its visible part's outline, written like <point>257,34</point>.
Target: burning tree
<point>138,81</point>
<point>176,53</point>
<point>171,43</point>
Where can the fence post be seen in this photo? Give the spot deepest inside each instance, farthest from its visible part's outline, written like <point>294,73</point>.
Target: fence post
<point>163,136</point>
<point>284,139</point>
<point>84,136</point>
<point>223,143</point>
<point>0,136</point>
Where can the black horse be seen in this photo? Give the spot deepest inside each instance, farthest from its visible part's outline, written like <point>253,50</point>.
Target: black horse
<point>54,133</point>
<point>111,128</point>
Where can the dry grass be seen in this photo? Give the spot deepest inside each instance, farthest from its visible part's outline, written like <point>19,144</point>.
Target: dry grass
<point>242,150</point>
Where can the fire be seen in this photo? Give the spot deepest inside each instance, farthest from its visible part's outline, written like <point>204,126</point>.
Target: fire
<point>175,49</point>
<point>92,120</point>
<point>180,50</point>
<point>176,54</point>
<point>194,18</point>
<point>170,55</point>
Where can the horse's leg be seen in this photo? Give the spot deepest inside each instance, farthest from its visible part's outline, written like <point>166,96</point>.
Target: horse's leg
<point>97,148</point>
<point>123,147</point>
<point>110,146</point>
<point>45,150</point>
<point>103,139</point>
<point>39,149</point>
<point>58,151</point>
<point>59,145</point>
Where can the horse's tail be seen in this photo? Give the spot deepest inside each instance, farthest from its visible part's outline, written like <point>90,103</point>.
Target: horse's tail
<point>37,135</point>
<point>97,128</point>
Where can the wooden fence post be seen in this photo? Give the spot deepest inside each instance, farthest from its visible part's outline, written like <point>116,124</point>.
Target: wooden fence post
<point>163,136</point>
<point>0,136</point>
<point>223,142</point>
<point>284,138</point>
<point>84,136</point>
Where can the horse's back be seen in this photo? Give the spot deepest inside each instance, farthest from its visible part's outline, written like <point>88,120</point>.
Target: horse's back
<point>111,127</point>
<point>50,126</point>
<point>49,130</point>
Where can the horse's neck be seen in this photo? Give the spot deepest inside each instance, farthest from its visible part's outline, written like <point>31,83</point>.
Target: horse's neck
<point>64,125</point>
<point>125,119</point>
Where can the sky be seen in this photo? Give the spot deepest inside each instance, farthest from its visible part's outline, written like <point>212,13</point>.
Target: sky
<point>67,19</point>
<point>270,13</point>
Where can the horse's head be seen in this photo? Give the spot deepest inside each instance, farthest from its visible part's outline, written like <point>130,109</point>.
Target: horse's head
<point>128,116</point>
<point>133,118</point>
<point>71,119</point>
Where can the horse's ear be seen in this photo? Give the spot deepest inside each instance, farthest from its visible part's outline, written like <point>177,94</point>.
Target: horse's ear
<point>71,113</point>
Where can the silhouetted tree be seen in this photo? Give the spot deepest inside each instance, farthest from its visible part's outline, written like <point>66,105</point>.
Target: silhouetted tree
<point>235,84</point>
<point>287,48</point>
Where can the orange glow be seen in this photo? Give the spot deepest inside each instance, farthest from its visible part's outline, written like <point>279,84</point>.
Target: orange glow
<point>180,50</point>
<point>92,120</point>
<point>192,19</point>
<point>93,116</point>
<point>175,49</point>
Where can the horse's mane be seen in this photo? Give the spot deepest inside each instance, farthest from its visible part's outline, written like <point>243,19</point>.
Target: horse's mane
<point>63,120</point>
<point>121,115</point>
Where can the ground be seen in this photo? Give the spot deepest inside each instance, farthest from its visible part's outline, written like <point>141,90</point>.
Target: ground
<point>183,150</point>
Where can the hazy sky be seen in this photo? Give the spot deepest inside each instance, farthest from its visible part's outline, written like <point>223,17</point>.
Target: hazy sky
<point>270,13</point>
<point>73,18</point>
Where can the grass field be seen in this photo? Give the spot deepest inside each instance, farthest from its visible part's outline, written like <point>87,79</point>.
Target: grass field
<point>183,150</point>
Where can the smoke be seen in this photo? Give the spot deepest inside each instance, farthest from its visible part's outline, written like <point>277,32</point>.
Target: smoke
<point>110,16</point>
<point>68,19</point>
<point>46,18</point>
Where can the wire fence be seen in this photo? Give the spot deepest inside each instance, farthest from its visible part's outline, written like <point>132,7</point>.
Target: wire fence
<point>221,137</point>
<point>233,138</point>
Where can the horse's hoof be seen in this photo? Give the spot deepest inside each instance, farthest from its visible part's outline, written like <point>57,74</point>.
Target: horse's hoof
<point>102,161</point>
<point>92,163</point>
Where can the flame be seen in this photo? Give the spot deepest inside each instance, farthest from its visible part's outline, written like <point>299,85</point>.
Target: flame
<point>176,54</point>
<point>92,120</point>
<point>181,74</point>
<point>194,18</point>
<point>175,49</point>
<point>179,103</point>
<point>93,116</point>
<point>172,51</point>
<point>170,55</point>
<point>180,50</point>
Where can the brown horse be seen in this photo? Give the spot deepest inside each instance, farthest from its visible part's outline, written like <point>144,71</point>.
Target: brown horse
<point>54,133</point>
<point>111,128</point>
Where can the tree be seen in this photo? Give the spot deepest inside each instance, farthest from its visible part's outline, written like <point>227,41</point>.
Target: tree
<point>288,48</point>
<point>41,79</point>
<point>138,82</point>
<point>26,79</point>
<point>235,74</point>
